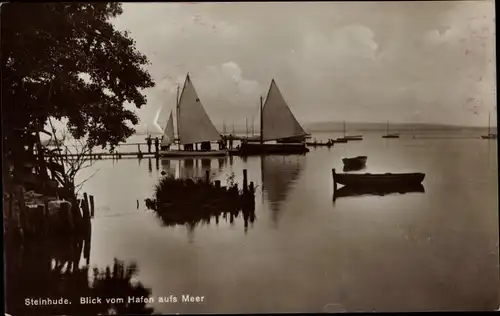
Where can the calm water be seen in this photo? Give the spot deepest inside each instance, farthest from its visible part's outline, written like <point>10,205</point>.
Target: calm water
<point>436,250</point>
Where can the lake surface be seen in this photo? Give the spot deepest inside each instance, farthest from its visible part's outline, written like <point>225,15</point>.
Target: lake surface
<point>304,252</point>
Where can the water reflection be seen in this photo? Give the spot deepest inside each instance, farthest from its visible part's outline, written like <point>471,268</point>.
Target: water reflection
<point>347,191</point>
<point>279,173</point>
<point>51,269</point>
<point>190,168</point>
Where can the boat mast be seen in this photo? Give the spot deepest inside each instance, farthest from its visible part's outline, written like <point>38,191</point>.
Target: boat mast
<point>489,123</point>
<point>261,122</point>
<point>177,117</point>
<point>344,129</point>
<point>246,126</point>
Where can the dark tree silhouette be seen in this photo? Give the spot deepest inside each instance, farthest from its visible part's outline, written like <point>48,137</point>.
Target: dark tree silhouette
<point>66,60</point>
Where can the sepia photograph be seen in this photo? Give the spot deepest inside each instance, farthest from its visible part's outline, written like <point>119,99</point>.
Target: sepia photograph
<point>249,157</point>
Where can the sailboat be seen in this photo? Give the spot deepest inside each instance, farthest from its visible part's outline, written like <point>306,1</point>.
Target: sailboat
<point>277,123</point>
<point>193,127</point>
<point>389,135</point>
<point>490,134</point>
<point>348,138</point>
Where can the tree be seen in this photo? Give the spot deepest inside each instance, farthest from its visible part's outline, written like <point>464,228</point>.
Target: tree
<point>47,50</point>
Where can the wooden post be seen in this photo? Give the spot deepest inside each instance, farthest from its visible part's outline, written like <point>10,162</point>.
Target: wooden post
<point>245,180</point>
<point>217,184</point>
<point>85,209</point>
<point>91,197</point>
<point>207,176</point>
<point>22,211</point>
<point>252,188</point>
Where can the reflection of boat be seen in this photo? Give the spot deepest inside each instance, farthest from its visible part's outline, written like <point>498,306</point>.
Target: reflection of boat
<point>279,173</point>
<point>193,127</point>
<point>380,191</point>
<point>277,123</point>
<point>378,180</point>
<point>490,134</point>
<point>389,135</point>
<point>355,163</point>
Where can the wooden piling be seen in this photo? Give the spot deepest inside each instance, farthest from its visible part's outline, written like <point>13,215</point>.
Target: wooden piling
<point>251,188</point>
<point>245,180</point>
<point>91,197</point>
<point>22,211</point>
<point>217,184</point>
<point>85,209</point>
<point>207,176</point>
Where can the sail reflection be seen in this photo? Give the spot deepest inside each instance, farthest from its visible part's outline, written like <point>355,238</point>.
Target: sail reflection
<point>279,173</point>
<point>52,269</point>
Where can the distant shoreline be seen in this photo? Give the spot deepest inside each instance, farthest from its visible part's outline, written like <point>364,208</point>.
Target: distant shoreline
<point>334,127</point>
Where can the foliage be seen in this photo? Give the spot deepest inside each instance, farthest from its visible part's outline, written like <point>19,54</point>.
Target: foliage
<point>47,49</point>
<point>65,160</point>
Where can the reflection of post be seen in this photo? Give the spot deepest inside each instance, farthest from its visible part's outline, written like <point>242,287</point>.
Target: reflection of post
<point>245,181</point>
<point>150,165</point>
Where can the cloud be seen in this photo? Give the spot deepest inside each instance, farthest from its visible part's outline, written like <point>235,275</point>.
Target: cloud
<point>358,61</point>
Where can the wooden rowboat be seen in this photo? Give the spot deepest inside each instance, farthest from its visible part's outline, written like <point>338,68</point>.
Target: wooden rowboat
<point>378,180</point>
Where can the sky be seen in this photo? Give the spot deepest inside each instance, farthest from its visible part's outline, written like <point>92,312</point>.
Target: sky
<point>423,62</point>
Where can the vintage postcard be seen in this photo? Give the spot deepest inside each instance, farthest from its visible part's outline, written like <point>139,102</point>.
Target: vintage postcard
<point>249,157</point>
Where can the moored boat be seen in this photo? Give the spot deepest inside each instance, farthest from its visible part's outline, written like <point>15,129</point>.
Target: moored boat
<point>279,125</point>
<point>490,134</point>
<point>193,127</point>
<point>380,180</point>
<point>355,163</point>
<point>347,138</point>
<point>389,135</point>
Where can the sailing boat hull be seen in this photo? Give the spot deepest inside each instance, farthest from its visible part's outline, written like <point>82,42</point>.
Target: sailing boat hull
<point>349,138</point>
<point>491,136</point>
<point>391,136</point>
<point>249,149</point>
<point>186,153</point>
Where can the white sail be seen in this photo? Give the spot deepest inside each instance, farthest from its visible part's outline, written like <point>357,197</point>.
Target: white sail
<point>194,124</point>
<point>278,120</point>
<point>168,135</point>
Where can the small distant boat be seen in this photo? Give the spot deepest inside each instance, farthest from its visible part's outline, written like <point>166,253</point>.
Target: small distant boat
<point>340,140</point>
<point>378,180</point>
<point>277,123</point>
<point>345,139</point>
<point>355,163</point>
<point>193,127</point>
<point>490,134</point>
<point>389,135</point>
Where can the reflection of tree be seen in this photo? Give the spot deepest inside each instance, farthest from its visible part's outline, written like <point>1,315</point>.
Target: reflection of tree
<point>50,269</point>
<point>194,201</point>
